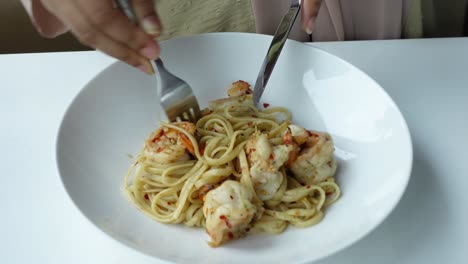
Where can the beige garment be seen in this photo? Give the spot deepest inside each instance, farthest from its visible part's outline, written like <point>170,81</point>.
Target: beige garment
<point>348,19</point>
<point>189,17</point>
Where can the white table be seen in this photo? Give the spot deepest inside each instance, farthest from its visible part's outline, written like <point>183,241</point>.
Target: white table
<point>428,79</point>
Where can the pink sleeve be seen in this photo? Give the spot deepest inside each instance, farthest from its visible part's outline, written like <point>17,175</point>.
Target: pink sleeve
<point>268,15</point>
<point>45,22</point>
<point>360,19</point>
<point>339,20</point>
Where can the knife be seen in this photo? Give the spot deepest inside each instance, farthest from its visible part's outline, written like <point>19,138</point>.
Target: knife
<point>282,33</point>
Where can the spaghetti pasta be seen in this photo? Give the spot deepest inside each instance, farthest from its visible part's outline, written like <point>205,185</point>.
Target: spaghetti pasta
<point>238,170</point>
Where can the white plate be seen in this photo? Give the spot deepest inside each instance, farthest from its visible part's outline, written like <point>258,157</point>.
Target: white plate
<point>116,111</point>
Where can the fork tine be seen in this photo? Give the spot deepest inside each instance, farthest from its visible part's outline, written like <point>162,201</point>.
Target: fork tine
<point>188,111</point>
<point>185,108</point>
<point>187,116</point>
<point>193,114</point>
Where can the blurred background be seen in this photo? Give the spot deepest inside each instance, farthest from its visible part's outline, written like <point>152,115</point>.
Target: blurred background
<point>17,34</point>
<point>441,18</point>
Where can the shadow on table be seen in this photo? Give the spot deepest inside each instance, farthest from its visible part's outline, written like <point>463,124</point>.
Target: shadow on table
<point>414,222</point>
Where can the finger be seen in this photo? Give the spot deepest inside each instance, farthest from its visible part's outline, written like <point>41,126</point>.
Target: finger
<point>309,13</point>
<point>123,53</point>
<point>116,50</point>
<point>117,26</point>
<point>47,25</point>
<point>147,17</point>
<point>88,35</point>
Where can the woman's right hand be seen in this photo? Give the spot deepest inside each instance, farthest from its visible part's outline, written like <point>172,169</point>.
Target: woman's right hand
<point>100,25</point>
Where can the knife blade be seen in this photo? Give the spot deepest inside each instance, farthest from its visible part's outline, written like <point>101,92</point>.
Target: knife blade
<point>274,51</point>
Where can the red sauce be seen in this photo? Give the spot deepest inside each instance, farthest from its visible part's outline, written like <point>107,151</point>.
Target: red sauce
<point>159,135</point>
<point>202,149</point>
<point>224,218</point>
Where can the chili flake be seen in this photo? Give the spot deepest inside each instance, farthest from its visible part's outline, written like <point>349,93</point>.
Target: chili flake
<point>224,218</point>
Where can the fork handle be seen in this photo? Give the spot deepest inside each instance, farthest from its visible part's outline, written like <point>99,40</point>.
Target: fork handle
<point>166,78</point>
<point>159,65</point>
<point>127,9</point>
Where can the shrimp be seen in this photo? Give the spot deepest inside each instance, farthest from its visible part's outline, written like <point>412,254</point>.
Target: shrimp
<point>265,161</point>
<point>228,210</point>
<point>241,102</point>
<point>239,94</point>
<point>313,160</point>
<point>239,88</point>
<point>167,145</point>
<point>299,134</point>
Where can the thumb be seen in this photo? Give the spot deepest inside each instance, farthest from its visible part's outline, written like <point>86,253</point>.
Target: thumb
<point>309,13</point>
<point>145,11</point>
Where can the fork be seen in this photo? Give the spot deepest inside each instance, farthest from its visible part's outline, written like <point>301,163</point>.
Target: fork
<point>177,98</point>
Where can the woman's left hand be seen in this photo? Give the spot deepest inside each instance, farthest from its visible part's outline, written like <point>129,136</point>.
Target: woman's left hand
<point>309,13</point>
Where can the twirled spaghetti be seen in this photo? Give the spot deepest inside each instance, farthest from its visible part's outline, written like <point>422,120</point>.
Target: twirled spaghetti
<point>238,170</point>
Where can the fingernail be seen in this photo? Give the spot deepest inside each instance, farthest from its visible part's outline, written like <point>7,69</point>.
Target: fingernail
<point>150,51</point>
<point>143,69</point>
<point>150,25</point>
<point>310,26</point>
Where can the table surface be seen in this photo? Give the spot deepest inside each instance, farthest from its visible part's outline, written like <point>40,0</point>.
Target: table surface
<point>428,80</point>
